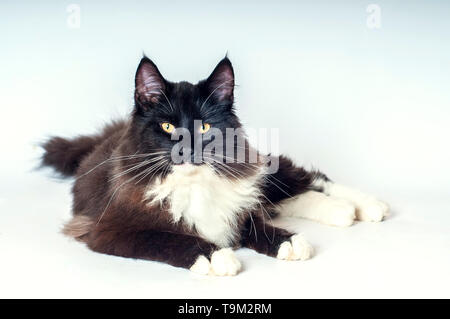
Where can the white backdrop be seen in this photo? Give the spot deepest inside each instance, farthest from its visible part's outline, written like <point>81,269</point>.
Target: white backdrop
<point>368,106</point>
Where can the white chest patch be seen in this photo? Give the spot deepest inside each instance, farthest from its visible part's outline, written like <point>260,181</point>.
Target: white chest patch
<point>206,201</point>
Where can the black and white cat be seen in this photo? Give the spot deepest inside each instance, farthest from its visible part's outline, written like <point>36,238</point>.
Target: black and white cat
<point>138,194</point>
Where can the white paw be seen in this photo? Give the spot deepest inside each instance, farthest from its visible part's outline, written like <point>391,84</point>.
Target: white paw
<point>341,213</point>
<point>224,263</point>
<point>368,208</point>
<point>202,266</point>
<point>295,249</point>
<point>371,209</point>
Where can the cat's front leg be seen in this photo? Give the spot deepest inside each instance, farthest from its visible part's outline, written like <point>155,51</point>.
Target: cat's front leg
<point>275,242</point>
<point>179,250</point>
<point>222,262</point>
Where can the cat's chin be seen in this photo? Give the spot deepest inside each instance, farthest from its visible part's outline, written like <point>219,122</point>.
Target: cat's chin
<point>186,168</point>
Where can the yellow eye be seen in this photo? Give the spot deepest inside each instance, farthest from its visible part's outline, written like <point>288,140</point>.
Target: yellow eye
<point>167,127</point>
<point>205,128</point>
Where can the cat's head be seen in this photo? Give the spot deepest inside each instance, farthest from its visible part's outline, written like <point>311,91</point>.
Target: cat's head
<point>183,118</point>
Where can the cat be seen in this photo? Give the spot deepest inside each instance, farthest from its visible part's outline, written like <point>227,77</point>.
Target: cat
<point>132,198</point>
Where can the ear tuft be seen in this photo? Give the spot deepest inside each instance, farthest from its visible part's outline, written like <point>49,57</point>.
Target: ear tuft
<point>149,82</point>
<point>221,81</point>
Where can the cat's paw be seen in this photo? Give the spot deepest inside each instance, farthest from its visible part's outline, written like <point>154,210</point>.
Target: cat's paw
<point>202,266</point>
<point>295,249</point>
<point>340,212</point>
<point>370,209</point>
<point>223,263</point>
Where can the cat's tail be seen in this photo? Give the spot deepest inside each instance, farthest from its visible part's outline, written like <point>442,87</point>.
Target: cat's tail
<point>65,155</point>
<point>78,227</point>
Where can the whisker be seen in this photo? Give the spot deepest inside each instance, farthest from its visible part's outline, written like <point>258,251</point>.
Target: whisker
<point>268,180</point>
<point>167,100</point>
<point>137,166</point>
<point>151,169</point>
<point>114,193</point>
<point>254,225</point>
<point>118,158</point>
<point>225,82</point>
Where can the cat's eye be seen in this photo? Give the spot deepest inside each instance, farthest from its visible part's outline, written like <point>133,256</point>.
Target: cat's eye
<point>167,127</point>
<point>205,128</point>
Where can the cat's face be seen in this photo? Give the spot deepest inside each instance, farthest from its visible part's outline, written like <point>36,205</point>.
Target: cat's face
<point>167,113</point>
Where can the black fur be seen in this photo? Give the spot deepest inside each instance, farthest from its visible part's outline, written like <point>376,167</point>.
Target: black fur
<point>109,212</point>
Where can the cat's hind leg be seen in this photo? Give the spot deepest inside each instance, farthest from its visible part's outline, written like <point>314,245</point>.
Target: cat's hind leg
<point>368,208</point>
<point>292,190</point>
<point>179,250</point>
<point>319,207</point>
<point>296,192</point>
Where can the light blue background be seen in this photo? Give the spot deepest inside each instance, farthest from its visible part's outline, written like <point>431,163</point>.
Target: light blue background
<point>369,107</point>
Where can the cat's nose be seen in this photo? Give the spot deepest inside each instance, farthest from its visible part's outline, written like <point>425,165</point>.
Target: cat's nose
<point>196,157</point>
<point>190,156</point>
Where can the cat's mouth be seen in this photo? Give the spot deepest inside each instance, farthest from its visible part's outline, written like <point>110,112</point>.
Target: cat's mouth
<point>192,163</point>
<point>187,168</point>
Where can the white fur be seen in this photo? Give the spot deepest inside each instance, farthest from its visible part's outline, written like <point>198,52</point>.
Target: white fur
<point>202,266</point>
<point>319,207</point>
<point>295,249</point>
<point>206,201</point>
<point>285,250</point>
<point>223,263</point>
<point>368,208</point>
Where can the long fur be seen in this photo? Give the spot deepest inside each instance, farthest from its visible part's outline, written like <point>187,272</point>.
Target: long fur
<point>131,200</point>
<point>65,155</point>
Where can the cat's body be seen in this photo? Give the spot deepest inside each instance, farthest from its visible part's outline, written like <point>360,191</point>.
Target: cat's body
<point>131,199</point>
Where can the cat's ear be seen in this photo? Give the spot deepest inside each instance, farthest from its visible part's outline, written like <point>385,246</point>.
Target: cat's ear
<point>149,84</point>
<point>221,81</point>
